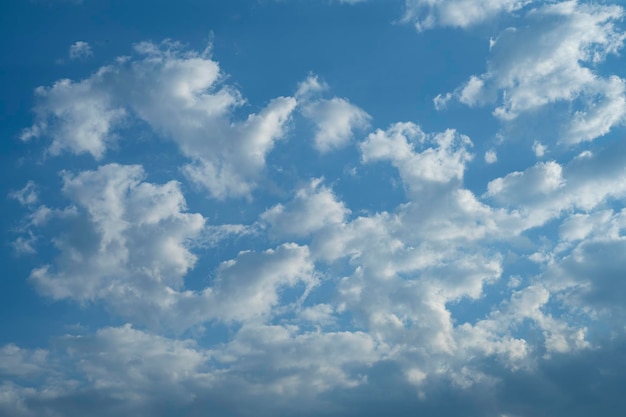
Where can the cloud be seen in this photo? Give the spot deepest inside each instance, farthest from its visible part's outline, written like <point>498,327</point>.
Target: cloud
<point>123,369</point>
<point>517,187</point>
<point>426,14</point>
<point>335,120</point>
<point>126,235</point>
<point>181,96</point>
<point>79,117</point>
<point>548,189</point>
<point>491,156</point>
<point>585,264</point>
<point>80,50</point>
<point>15,361</point>
<point>313,208</point>
<point>247,288</point>
<point>26,196</point>
<point>539,149</point>
<point>129,245</point>
<point>447,302</point>
<point>310,86</point>
<point>552,59</point>
<point>143,364</point>
<point>442,163</point>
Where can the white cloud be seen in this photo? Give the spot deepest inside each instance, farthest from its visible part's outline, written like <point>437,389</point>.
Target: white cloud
<point>579,226</point>
<point>539,149</point>
<point>441,101</point>
<point>25,244</point>
<point>127,235</point>
<point>247,287</point>
<point>129,245</point>
<point>586,264</point>
<point>310,86</point>
<point>80,50</point>
<point>191,107</point>
<point>79,117</point>
<point>551,59</point>
<point>131,364</point>
<point>539,181</point>
<point>418,299</point>
<point>443,163</point>
<point>123,368</point>
<point>336,120</point>
<point>313,208</point>
<point>280,360</point>
<point>181,95</point>
<point>491,157</point>
<point>402,274</point>
<point>471,92</point>
<point>26,196</point>
<point>547,189</point>
<point>240,159</point>
<point>598,118</point>
<point>16,361</point>
<point>322,314</point>
<point>426,14</point>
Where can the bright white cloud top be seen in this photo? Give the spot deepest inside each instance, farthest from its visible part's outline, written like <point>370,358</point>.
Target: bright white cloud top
<point>190,236</point>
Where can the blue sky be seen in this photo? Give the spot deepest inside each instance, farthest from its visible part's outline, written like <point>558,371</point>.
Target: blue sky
<point>278,208</point>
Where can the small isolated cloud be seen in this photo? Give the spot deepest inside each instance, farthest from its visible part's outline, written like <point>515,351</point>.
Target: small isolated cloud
<point>539,149</point>
<point>441,101</point>
<point>336,120</point>
<point>80,50</point>
<point>491,156</point>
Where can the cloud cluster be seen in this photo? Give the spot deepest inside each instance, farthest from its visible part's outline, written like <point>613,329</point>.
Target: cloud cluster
<point>452,299</point>
<point>550,60</point>
<point>181,95</point>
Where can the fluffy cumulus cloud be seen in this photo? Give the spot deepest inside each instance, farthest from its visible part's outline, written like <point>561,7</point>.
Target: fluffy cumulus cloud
<point>335,120</point>
<point>128,243</point>
<point>547,190</point>
<point>427,14</point>
<point>312,209</point>
<point>368,265</point>
<point>182,97</point>
<point>550,59</point>
<point>125,237</point>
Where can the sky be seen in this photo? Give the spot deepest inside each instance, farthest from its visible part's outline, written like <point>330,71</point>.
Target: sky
<point>312,208</point>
